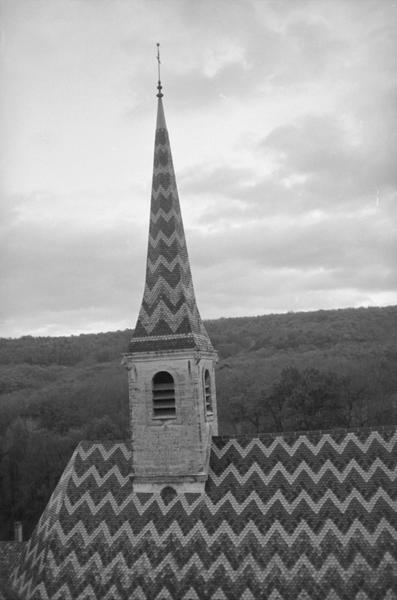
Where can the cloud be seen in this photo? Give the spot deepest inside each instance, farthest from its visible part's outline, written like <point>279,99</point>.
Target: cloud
<point>283,262</point>
<point>283,123</point>
<point>324,148</point>
<point>84,274</point>
<point>320,164</point>
<point>315,241</point>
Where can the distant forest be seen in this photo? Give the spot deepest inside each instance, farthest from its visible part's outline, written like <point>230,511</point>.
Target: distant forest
<point>296,371</point>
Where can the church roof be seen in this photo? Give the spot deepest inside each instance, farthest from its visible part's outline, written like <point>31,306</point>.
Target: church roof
<point>284,517</point>
<point>169,317</point>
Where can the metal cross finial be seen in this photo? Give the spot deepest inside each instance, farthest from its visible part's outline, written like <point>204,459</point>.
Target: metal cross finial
<point>159,86</point>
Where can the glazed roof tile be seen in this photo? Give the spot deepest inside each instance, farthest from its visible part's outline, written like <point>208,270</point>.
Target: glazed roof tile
<point>282,516</point>
<point>169,318</point>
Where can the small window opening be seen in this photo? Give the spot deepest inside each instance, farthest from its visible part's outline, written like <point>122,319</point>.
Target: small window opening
<point>163,389</point>
<point>168,493</point>
<point>207,392</point>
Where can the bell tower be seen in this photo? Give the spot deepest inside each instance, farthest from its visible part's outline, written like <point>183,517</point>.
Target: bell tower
<point>170,359</point>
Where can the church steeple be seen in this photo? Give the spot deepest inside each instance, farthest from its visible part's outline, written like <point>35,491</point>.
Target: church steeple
<point>169,317</point>
<point>171,359</point>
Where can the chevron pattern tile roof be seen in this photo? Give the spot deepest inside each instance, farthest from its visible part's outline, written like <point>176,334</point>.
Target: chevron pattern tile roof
<point>309,516</point>
<point>169,317</point>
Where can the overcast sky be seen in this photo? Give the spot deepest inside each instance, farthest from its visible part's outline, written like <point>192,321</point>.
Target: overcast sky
<point>283,124</point>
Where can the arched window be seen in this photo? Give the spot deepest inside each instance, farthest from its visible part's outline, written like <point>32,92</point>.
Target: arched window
<point>163,389</point>
<point>207,393</point>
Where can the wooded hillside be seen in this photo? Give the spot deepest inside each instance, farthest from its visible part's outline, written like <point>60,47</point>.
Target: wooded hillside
<point>315,370</point>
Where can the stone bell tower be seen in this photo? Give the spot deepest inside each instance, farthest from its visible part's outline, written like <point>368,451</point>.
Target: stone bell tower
<point>171,359</point>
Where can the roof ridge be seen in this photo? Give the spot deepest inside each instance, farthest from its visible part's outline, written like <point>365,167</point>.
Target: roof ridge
<point>298,433</point>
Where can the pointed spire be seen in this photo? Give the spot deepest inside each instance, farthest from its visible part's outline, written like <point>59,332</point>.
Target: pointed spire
<point>168,318</point>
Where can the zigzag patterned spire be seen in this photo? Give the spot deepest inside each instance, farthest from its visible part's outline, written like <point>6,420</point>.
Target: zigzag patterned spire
<point>168,318</point>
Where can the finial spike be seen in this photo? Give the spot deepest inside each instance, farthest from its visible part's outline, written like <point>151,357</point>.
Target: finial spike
<point>159,86</point>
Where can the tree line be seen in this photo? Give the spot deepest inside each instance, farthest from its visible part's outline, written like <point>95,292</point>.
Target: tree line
<point>318,370</point>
